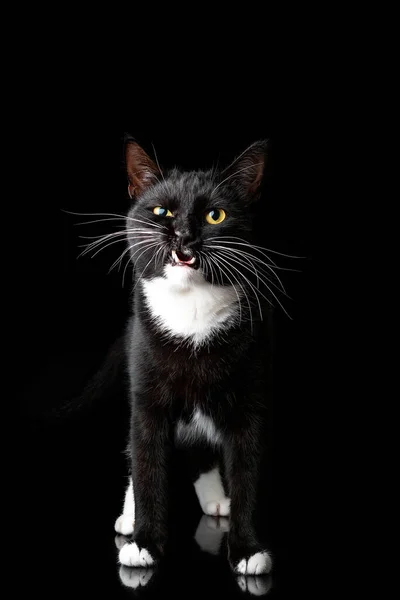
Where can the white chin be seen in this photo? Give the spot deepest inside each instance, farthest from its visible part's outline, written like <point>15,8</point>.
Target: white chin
<point>182,277</point>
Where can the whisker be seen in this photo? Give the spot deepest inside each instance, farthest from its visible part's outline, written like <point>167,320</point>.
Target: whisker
<point>115,217</point>
<point>141,274</point>
<point>122,235</point>
<point>121,232</point>
<point>115,241</point>
<point>99,242</point>
<point>119,260</point>
<point>268,300</point>
<point>256,258</point>
<point>203,258</point>
<point>250,284</point>
<point>132,257</point>
<point>232,284</point>
<point>232,237</point>
<point>232,257</point>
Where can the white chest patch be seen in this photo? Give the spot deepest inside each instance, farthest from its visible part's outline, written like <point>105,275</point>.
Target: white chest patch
<point>200,427</point>
<point>185,305</point>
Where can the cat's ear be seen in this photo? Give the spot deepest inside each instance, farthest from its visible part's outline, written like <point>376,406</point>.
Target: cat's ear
<point>142,171</point>
<point>247,170</point>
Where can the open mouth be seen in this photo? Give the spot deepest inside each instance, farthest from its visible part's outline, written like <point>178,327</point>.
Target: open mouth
<point>182,259</point>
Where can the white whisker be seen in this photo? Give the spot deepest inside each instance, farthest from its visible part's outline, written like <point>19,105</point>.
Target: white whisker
<point>232,257</point>
<point>133,262</point>
<point>268,300</point>
<point>232,237</point>
<point>119,260</point>
<point>109,244</point>
<point>232,284</point>
<point>247,254</point>
<point>249,283</point>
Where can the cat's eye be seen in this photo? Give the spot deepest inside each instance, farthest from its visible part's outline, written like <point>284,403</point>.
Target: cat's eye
<point>215,216</point>
<point>162,212</point>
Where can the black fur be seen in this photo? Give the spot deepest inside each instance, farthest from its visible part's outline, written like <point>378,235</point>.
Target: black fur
<point>228,378</point>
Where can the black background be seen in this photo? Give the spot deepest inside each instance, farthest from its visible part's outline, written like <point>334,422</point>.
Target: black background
<point>69,310</point>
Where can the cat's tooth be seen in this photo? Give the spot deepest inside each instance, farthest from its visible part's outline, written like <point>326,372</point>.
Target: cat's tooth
<point>174,256</point>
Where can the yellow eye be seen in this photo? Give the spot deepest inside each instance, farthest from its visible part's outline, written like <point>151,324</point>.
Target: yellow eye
<point>162,212</point>
<point>215,216</point>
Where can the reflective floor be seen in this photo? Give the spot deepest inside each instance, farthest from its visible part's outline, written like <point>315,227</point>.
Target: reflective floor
<point>74,482</point>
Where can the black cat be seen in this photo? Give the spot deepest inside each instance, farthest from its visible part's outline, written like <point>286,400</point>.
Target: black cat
<point>198,348</point>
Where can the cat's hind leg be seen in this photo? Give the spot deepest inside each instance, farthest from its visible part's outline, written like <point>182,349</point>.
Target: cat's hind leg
<point>211,494</point>
<point>205,465</point>
<point>126,522</point>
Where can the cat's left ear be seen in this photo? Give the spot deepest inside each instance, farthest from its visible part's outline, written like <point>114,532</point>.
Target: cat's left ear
<point>247,170</point>
<point>141,169</point>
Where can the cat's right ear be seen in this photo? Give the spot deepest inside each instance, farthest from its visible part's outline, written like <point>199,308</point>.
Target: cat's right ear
<point>141,169</point>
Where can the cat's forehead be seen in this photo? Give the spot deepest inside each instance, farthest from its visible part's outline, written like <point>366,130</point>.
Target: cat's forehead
<point>196,182</point>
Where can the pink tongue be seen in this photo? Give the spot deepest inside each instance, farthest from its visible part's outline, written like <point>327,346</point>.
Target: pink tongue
<point>183,257</point>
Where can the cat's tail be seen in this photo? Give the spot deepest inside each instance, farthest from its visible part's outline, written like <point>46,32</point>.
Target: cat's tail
<point>108,381</point>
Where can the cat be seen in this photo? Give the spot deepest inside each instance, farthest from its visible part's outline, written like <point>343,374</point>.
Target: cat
<point>198,348</point>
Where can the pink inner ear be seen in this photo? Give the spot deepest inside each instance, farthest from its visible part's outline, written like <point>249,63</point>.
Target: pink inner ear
<point>142,171</point>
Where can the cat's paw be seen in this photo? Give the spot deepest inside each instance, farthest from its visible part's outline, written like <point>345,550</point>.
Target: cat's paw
<point>218,508</point>
<point>134,578</point>
<point>132,555</point>
<point>259,563</point>
<point>125,524</point>
<point>256,586</point>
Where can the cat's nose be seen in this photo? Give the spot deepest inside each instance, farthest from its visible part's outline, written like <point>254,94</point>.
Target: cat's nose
<point>185,239</point>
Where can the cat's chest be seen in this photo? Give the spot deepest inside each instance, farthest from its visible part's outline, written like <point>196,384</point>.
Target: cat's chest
<point>198,427</point>
<point>196,312</point>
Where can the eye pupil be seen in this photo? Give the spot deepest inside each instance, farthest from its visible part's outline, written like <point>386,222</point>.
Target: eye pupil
<point>215,216</point>
<point>162,212</point>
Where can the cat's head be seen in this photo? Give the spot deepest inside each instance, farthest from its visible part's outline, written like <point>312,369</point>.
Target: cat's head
<point>187,225</point>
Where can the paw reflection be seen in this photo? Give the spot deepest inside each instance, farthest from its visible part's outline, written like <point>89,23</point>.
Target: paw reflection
<point>135,577</point>
<point>255,585</point>
<point>210,532</point>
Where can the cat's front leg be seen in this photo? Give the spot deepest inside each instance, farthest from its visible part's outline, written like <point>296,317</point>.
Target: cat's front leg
<point>242,458</point>
<point>150,450</point>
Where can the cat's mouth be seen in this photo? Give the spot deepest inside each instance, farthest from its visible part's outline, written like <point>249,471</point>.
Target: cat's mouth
<point>183,259</point>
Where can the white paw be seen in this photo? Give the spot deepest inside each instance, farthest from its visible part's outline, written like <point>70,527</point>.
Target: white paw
<point>257,564</point>
<point>218,508</point>
<point>125,524</point>
<point>256,586</point>
<point>135,578</point>
<point>131,555</point>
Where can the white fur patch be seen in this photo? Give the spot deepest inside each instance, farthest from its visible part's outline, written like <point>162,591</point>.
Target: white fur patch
<point>125,523</point>
<point>131,555</point>
<point>199,427</point>
<point>187,306</point>
<point>211,495</point>
<point>257,564</point>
